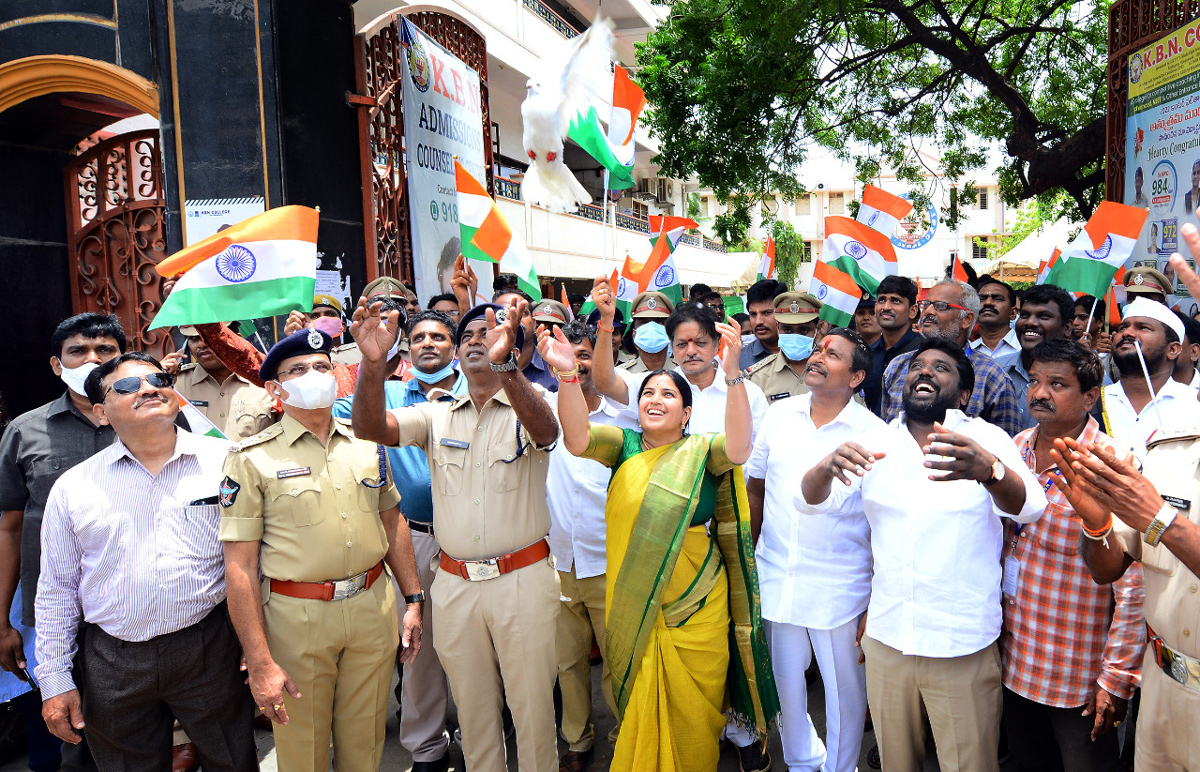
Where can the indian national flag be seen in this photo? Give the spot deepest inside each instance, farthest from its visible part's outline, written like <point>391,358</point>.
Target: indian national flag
<point>263,266</point>
<point>628,99</point>
<point>1089,263</point>
<point>838,293</point>
<point>957,272</point>
<point>766,267</point>
<point>862,252</point>
<point>198,422</point>
<point>658,273</point>
<point>1046,265</point>
<point>663,223</point>
<point>881,210</point>
<point>486,235</point>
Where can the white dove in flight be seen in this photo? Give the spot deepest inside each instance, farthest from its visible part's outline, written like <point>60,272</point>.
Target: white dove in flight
<point>551,102</point>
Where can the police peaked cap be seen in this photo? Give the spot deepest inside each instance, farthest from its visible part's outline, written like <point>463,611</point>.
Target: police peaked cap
<point>309,340</point>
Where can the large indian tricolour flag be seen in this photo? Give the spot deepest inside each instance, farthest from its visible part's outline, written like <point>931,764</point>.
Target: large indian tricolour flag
<point>838,293</point>
<point>881,210</point>
<point>1089,263</point>
<point>263,266</point>
<point>863,253</point>
<point>486,235</point>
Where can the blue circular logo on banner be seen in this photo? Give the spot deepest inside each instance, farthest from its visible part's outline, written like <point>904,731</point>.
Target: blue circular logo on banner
<point>236,264</point>
<point>917,228</point>
<point>855,250</point>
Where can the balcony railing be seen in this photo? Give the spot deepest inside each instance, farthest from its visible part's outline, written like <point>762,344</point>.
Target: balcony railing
<point>506,188</point>
<point>559,24</point>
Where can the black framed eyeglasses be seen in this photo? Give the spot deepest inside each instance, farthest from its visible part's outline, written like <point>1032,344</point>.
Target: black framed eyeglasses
<point>133,383</point>
<point>941,306</point>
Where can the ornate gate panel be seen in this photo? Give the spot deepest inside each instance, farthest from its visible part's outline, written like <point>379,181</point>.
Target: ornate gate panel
<point>388,237</point>
<point>115,233</point>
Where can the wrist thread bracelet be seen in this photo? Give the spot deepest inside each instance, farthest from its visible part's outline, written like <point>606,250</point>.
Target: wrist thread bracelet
<point>1099,532</point>
<point>600,326</point>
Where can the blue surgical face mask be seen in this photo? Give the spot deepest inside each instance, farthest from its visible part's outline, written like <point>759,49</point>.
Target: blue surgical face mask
<point>795,347</point>
<point>651,337</point>
<point>425,377</point>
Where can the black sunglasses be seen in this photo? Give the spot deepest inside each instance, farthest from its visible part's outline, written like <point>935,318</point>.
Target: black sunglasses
<point>133,383</point>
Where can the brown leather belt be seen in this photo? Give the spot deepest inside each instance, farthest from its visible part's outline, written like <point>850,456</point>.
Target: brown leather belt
<point>481,570</point>
<point>339,590</point>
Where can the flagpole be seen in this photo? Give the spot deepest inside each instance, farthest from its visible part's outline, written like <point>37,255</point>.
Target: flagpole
<point>1149,385</point>
<point>1088,329</point>
<point>604,230</point>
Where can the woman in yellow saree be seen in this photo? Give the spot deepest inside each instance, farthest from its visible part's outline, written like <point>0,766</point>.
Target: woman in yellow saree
<point>684,637</point>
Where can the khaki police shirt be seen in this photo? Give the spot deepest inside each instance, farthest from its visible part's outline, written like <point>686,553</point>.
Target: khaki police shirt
<point>235,406</point>
<point>488,477</point>
<point>775,378</point>
<point>312,506</point>
<point>1172,605</point>
<point>636,365</point>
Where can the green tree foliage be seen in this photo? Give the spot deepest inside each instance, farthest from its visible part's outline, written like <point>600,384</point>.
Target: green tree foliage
<point>790,252</point>
<point>741,88</point>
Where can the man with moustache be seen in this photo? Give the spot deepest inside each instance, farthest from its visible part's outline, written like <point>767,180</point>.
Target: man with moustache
<point>576,492</point>
<point>934,614</point>
<point>36,449</point>
<point>421,692</point>
<point>814,570</point>
<point>997,309</point>
<point>895,310</point>
<point>781,375</point>
<point>1045,315</point>
<point>760,304</point>
<point>949,313</point>
<point>1144,401</point>
<point>309,520</point>
<point>496,597</point>
<point>1068,676</point>
<point>141,515</point>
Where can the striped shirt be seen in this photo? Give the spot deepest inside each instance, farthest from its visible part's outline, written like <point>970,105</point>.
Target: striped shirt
<point>1063,633</point>
<point>134,553</point>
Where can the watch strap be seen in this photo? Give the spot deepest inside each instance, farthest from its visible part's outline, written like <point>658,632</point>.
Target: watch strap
<point>416,598</point>
<point>1159,524</point>
<point>508,366</point>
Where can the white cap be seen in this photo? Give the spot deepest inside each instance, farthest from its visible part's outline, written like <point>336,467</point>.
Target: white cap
<point>1152,309</point>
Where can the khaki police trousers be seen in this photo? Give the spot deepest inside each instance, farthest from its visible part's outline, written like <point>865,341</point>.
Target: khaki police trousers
<point>423,692</point>
<point>495,639</point>
<point>580,617</point>
<point>1167,736</point>
<point>340,654</point>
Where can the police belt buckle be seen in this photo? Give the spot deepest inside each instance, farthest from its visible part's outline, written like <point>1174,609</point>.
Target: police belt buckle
<point>348,588</point>
<point>482,570</point>
<point>1179,667</point>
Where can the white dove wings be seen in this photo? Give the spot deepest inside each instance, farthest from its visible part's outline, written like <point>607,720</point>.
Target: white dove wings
<point>550,104</point>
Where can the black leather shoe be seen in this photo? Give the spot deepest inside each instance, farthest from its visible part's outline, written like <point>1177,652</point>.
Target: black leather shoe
<point>754,757</point>
<point>441,765</point>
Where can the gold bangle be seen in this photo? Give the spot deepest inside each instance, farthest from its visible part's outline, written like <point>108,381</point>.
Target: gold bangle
<point>560,374</point>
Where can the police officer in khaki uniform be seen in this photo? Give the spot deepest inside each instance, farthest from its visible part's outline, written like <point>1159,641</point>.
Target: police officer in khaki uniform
<point>551,313</point>
<point>654,352</point>
<point>1145,281</point>
<point>234,405</point>
<point>496,595</point>
<point>315,509</point>
<point>1158,522</point>
<point>781,375</point>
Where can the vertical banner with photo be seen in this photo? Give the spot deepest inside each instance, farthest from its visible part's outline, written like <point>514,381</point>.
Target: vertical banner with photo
<point>442,120</point>
<point>1162,146</point>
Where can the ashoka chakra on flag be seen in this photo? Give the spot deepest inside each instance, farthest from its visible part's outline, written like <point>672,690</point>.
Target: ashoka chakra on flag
<point>855,250</point>
<point>236,264</point>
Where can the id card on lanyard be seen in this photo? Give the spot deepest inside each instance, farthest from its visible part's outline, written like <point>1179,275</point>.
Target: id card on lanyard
<point>1012,564</point>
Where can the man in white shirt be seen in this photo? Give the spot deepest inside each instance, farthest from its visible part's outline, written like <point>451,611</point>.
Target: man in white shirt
<point>934,486</point>
<point>129,546</point>
<point>576,491</point>
<point>1152,333</point>
<point>814,570</point>
<point>997,310</point>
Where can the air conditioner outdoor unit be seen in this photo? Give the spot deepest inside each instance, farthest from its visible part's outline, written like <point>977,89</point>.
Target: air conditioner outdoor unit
<point>666,189</point>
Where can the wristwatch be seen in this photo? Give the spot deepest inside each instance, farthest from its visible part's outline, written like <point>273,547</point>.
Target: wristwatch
<point>735,381</point>
<point>417,598</point>
<point>508,366</point>
<point>1164,518</point>
<point>998,471</point>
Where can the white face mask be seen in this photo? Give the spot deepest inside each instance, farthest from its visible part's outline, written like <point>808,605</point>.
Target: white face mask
<point>311,391</point>
<point>75,376</point>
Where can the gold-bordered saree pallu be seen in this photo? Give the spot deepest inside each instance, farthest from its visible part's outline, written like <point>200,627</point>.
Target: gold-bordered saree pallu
<point>684,635</point>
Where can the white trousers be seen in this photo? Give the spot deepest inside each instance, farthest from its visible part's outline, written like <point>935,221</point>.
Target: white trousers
<point>792,649</point>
